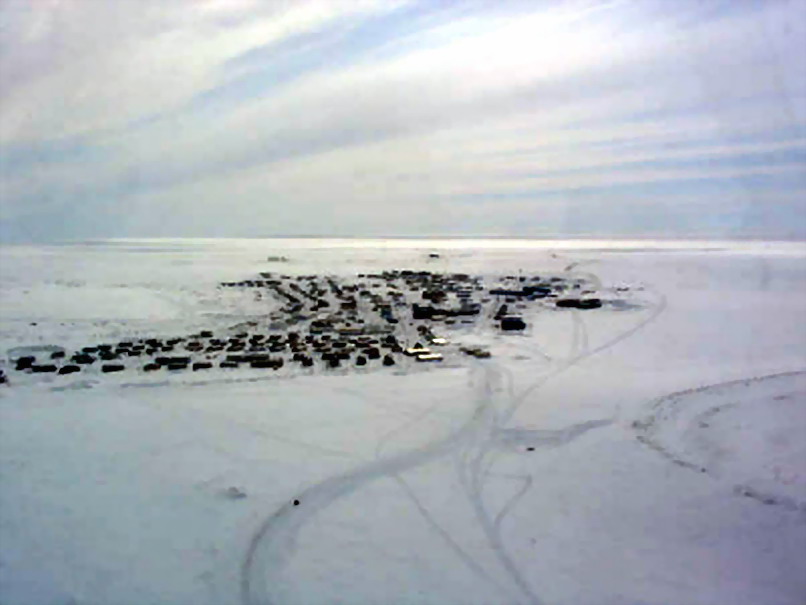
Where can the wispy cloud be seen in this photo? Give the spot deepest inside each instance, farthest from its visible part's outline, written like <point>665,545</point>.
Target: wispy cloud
<point>240,117</point>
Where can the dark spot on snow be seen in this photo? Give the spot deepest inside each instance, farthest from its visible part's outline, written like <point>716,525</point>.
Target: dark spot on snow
<point>296,502</point>
<point>575,303</point>
<point>83,358</point>
<point>24,363</point>
<point>233,493</point>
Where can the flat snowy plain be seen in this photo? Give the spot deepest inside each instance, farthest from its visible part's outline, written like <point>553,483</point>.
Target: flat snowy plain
<point>646,453</point>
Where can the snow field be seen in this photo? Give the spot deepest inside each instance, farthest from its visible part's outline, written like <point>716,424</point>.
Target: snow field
<point>567,469</point>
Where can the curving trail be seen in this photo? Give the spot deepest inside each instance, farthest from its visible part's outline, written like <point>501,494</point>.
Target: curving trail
<point>677,426</point>
<point>472,447</point>
<point>273,543</point>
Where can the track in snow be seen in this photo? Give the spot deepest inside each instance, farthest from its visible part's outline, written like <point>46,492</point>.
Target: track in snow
<point>472,447</point>
<point>681,427</point>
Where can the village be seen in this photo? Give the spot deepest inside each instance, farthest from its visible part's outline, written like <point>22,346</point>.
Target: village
<point>398,317</point>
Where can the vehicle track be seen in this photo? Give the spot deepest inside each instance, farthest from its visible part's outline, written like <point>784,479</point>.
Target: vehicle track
<point>647,426</point>
<point>472,446</point>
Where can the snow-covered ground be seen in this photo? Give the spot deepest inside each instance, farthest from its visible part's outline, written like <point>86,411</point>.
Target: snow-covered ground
<point>649,452</point>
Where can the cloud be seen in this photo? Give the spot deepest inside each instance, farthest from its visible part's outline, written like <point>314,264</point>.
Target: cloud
<point>245,118</point>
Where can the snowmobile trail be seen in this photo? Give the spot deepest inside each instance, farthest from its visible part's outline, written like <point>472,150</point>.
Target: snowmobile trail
<point>274,542</point>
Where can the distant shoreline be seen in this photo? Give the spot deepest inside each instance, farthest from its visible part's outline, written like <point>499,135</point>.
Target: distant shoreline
<point>693,238</point>
<point>424,240</point>
<point>617,238</point>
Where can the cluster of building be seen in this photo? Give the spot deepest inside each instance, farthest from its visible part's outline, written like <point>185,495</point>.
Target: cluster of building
<point>382,319</point>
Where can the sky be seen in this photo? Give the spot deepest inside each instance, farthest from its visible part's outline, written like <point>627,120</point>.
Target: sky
<point>246,118</point>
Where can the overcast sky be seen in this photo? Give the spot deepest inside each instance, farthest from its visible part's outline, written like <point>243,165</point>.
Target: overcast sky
<point>226,118</point>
